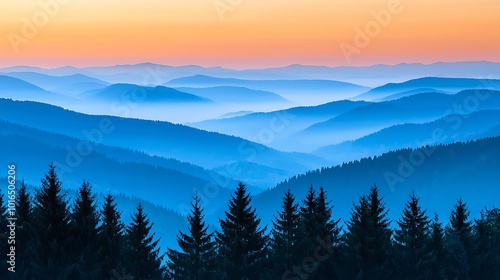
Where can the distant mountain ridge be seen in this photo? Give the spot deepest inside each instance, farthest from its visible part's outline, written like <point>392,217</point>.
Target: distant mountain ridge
<point>374,75</point>
<point>18,89</point>
<point>451,128</point>
<point>73,84</point>
<point>396,90</point>
<point>423,107</point>
<point>283,122</point>
<point>144,94</point>
<point>166,187</point>
<point>232,94</point>
<point>156,138</point>
<point>308,92</point>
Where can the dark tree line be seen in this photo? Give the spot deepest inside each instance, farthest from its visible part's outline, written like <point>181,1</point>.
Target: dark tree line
<point>306,242</point>
<point>55,240</point>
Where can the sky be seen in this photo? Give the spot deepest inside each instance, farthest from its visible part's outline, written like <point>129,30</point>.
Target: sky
<point>247,34</point>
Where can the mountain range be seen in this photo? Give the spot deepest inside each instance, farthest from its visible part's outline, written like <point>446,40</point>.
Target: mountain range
<point>164,139</point>
<point>394,91</point>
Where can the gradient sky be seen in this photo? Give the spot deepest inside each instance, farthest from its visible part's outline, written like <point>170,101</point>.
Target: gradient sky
<point>251,34</point>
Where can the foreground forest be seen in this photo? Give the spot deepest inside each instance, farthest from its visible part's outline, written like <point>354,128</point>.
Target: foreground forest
<point>306,240</point>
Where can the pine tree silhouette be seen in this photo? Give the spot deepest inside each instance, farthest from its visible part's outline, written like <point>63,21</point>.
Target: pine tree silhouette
<point>285,238</point>
<point>437,269</point>
<point>241,243</point>
<point>368,239</point>
<point>197,257</point>
<point>111,239</point>
<point>51,231</point>
<point>84,221</point>
<point>142,254</point>
<point>487,244</point>
<point>459,242</point>
<point>412,240</point>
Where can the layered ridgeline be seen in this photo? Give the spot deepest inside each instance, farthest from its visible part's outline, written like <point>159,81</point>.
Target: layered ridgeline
<point>66,84</point>
<point>115,169</point>
<point>451,128</point>
<point>207,149</point>
<point>306,129</point>
<point>439,173</point>
<point>393,91</point>
<point>364,120</point>
<point>156,94</point>
<point>283,122</point>
<point>306,92</point>
<point>22,90</point>
<point>375,75</point>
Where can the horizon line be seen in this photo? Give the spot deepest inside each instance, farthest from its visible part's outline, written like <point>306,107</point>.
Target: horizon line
<point>246,69</point>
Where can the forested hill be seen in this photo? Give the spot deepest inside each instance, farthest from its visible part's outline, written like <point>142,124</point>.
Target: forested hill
<point>435,173</point>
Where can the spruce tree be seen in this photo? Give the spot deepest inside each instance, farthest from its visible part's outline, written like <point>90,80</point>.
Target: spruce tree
<point>355,241</point>
<point>241,242</point>
<point>284,250</point>
<point>84,221</point>
<point>368,239</point>
<point>111,239</point>
<point>459,242</point>
<point>142,255</point>
<point>437,249</point>
<point>487,245</point>
<point>51,230</point>
<point>308,227</point>
<point>326,250</point>
<point>459,221</point>
<point>413,260</point>
<point>196,260</point>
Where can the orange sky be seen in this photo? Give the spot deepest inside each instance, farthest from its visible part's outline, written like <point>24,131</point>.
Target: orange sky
<point>248,34</point>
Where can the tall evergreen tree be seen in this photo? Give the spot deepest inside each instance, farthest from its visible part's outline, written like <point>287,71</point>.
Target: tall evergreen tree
<point>368,239</point>
<point>437,249</point>
<point>111,240</point>
<point>50,229</point>
<point>142,254</point>
<point>459,221</point>
<point>459,242</point>
<point>196,261</point>
<point>285,238</point>
<point>326,234</point>
<point>308,227</point>
<point>84,221</point>
<point>413,260</point>
<point>487,245</point>
<point>241,243</point>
